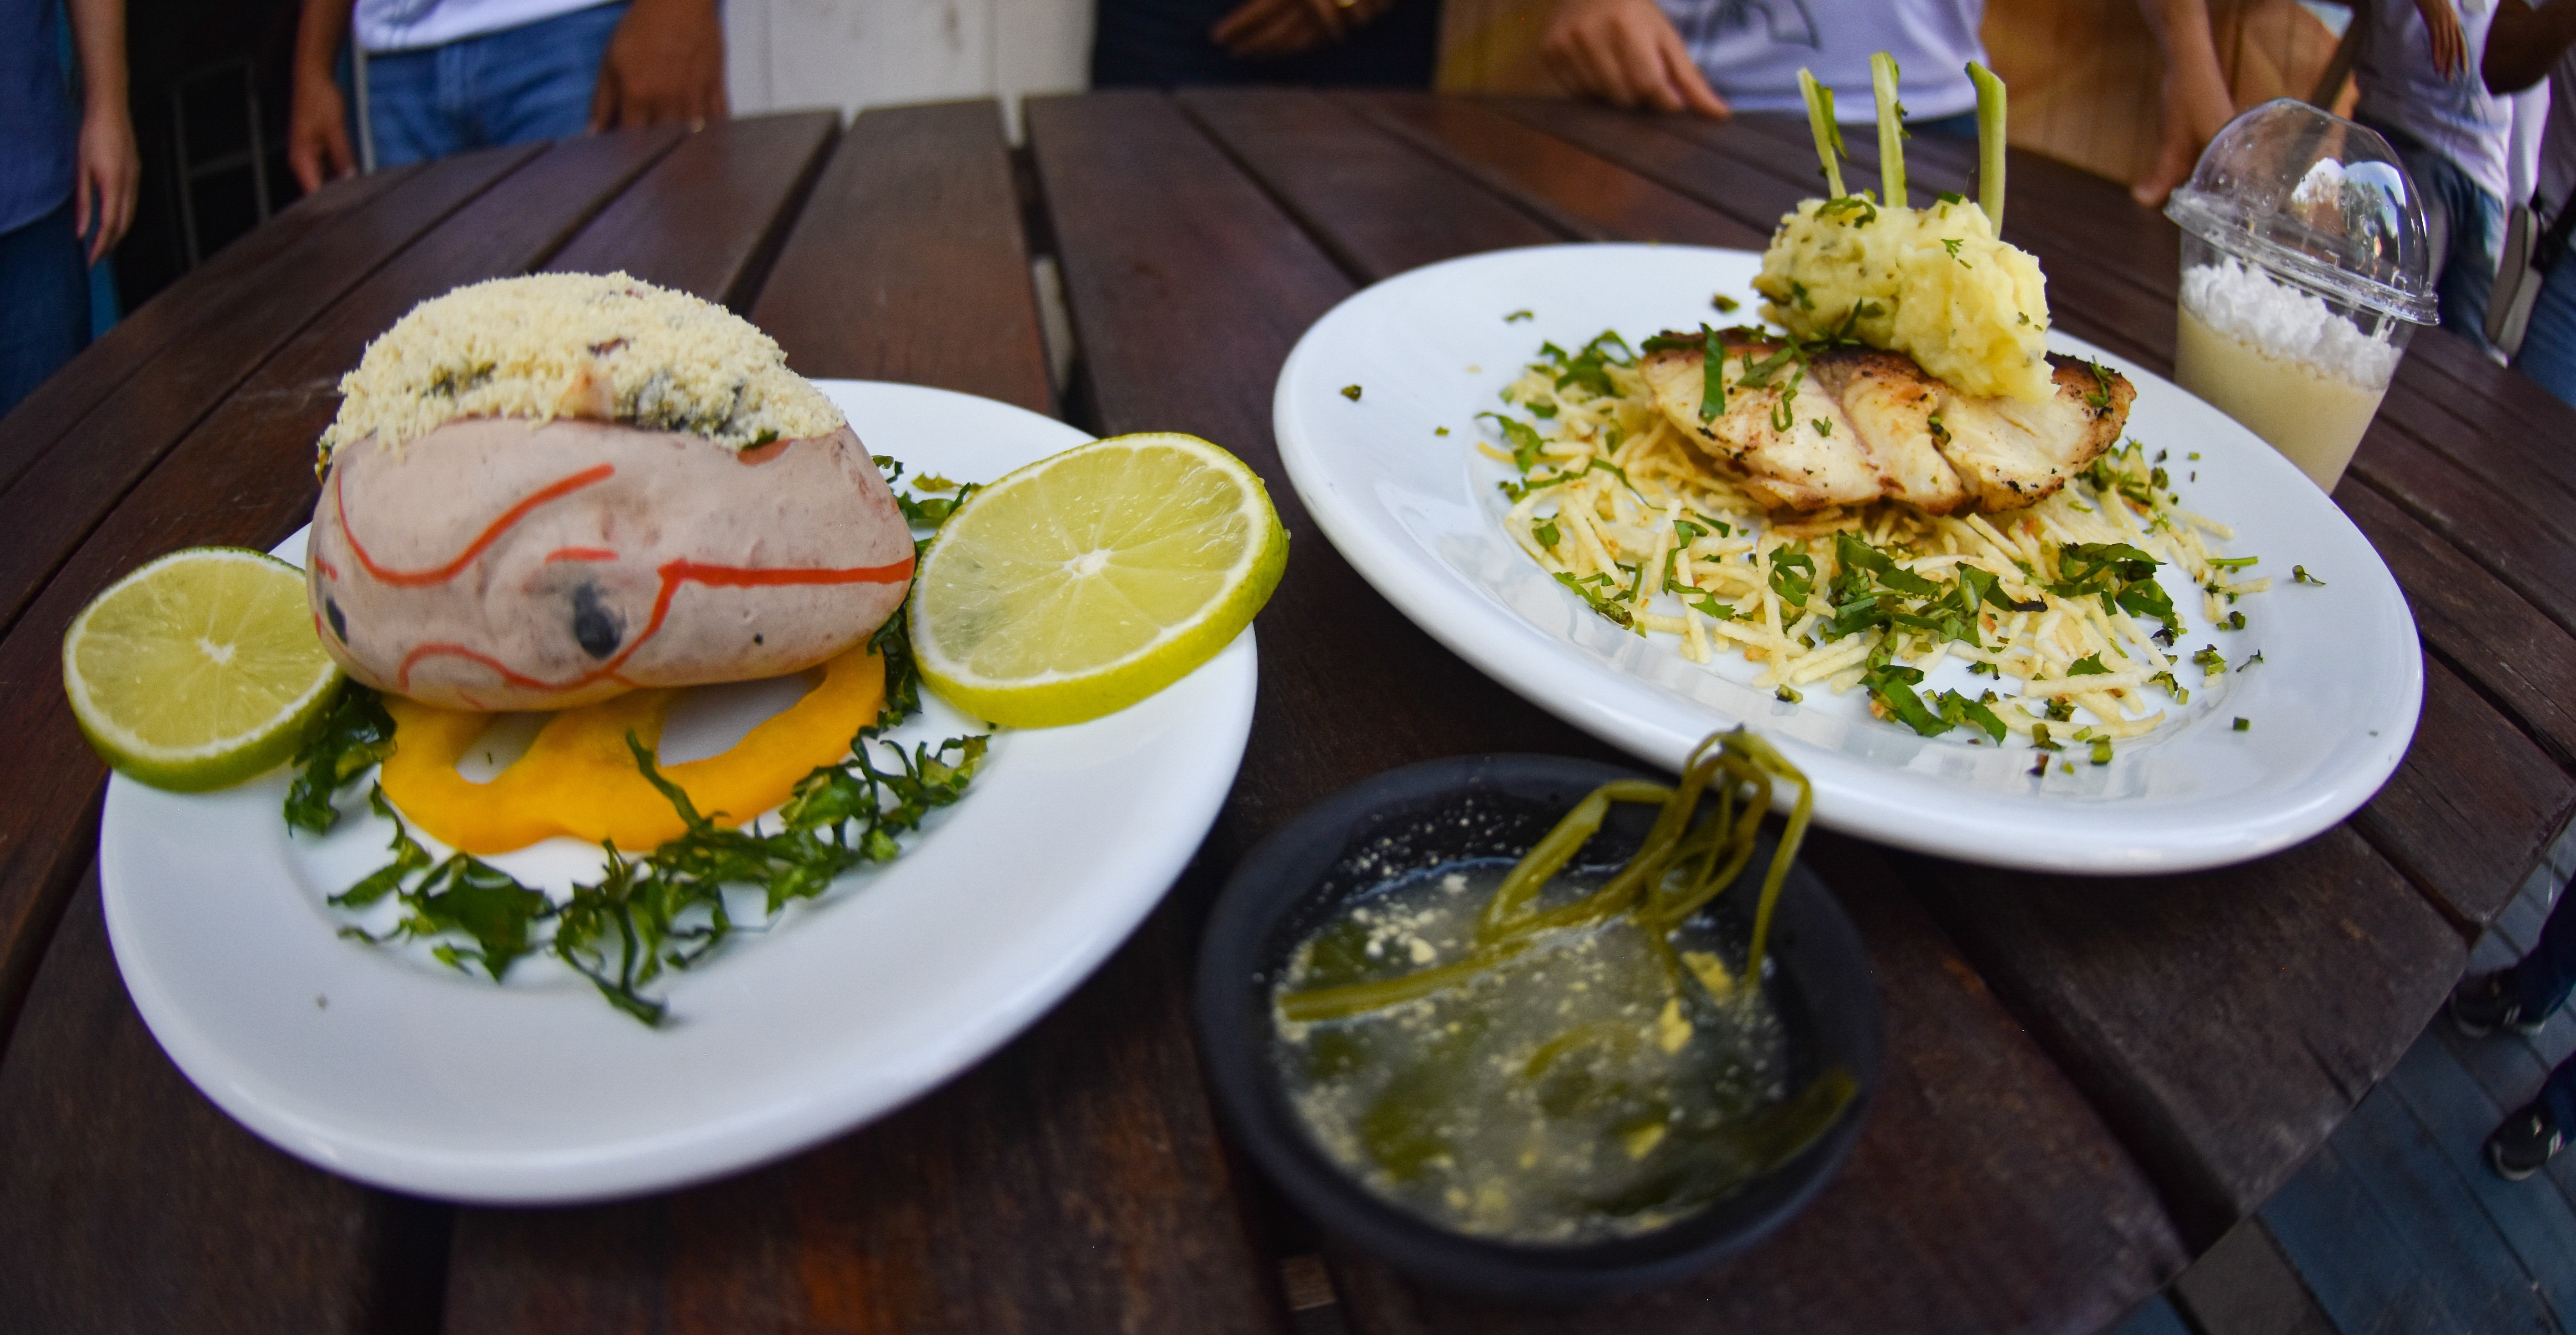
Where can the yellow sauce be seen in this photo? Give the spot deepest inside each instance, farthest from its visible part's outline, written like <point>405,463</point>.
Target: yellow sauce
<point>578,778</point>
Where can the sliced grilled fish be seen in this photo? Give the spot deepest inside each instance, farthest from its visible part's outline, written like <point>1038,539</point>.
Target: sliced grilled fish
<point>1864,424</point>
<point>1813,462</point>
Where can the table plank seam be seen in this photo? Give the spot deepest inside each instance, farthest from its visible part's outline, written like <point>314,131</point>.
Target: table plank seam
<point>756,268</point>
<point>2506,572</point>
<point>1537,210</point>
<point>44,918</point>
<point>1329,238</point>
<point>572,226</point>
<point>2558,754</point>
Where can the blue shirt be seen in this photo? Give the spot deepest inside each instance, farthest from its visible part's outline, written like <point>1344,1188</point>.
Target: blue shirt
<point>39,134</point>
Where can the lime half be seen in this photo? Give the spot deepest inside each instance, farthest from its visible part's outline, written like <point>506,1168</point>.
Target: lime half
<point>199,670</point>
<point>1092,579</point>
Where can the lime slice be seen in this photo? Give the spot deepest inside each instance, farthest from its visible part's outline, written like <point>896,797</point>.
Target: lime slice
<point>1090,580</point>
<point>199,670</point>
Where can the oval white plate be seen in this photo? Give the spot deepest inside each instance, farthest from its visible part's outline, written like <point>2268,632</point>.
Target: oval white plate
<point>2332,703</point>
<point>382,1065</point>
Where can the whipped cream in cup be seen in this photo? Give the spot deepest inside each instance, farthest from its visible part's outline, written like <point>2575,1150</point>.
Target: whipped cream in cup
<point>2305,269</point>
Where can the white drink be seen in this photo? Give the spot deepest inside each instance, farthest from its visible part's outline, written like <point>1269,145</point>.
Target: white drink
<point>2313,415</point>
<point>2304,373</point>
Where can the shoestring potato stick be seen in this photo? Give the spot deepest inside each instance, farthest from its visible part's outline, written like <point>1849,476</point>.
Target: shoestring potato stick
<point>1614,503</point>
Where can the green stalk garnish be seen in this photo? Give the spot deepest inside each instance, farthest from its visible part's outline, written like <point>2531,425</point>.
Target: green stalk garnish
<point>1891,130</point>
<point>1829,136</point>
<point>1712,370</point>
<point>1681,865</point>
<point>1990,143</point>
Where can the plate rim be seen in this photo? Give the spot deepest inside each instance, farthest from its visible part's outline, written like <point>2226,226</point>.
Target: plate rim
<point>1620,709</point>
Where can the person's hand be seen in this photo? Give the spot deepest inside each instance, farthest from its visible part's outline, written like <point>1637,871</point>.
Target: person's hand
<point>317,133</point>
<point>665,63</point>
<point>108,173</point>
<point>2195,106</point>
<point>1268,29</point>
<point>2193,115</point>
<point>1626,53</point>
<point>2442,25</point>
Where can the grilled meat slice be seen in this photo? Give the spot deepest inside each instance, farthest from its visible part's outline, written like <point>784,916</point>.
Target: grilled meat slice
<point>2013,454</point>
<point>1891,403</point>
<point>1865,424</point>
<point>1814,462</point>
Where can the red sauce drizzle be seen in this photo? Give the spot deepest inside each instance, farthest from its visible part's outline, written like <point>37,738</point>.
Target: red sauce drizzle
<point>674,574</point>
<point>414,578</point>
<point>580,554</point>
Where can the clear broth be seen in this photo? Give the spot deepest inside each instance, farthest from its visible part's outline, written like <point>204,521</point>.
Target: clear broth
<point>1589,1089</point>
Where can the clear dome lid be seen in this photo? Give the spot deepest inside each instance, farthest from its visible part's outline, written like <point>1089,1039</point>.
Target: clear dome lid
<point>2317,199</point>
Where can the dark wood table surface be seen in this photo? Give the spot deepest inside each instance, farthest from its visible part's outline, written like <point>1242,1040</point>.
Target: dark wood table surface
<point>2088,1080</point>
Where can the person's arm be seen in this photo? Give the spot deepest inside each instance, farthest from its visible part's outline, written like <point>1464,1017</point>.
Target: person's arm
<point>2193,103</point>
<point>665,63</point>
<point>2442,32</point>
<point>317,117</point>
<point>108,169</point>
<point>2522,43</point>
<point>1266,29</point>
<point>1626,53</point>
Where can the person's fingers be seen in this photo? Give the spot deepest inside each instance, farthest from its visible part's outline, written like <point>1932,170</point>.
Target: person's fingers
<point>1603,74</point>
<point>125,195</point>
<point>2173,162</point>
<point>1266,32</point>
<point>1641,65</point>
<point>84,198</point>
<point>1684,75</point>
<point>1286,33</point>
<point>604,99</point>
<point>1242,19</point>
<point>1335,19</point>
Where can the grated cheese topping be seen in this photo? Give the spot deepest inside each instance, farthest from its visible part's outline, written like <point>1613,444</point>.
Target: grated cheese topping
<point>605,347</point>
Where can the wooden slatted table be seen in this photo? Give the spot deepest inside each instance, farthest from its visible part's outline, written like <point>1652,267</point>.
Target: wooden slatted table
<point>2088,1081</point>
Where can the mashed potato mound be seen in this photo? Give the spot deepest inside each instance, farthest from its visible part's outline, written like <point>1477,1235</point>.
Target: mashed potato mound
<point>1936,284</point>
<point>605,347</point>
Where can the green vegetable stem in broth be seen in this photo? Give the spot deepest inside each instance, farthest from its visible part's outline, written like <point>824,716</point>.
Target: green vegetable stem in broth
<point>1551,1052</point>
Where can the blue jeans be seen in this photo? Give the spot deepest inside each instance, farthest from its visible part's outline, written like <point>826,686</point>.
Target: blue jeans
<point>2548,352</point>
<point>516,86</point>
<point>2467,229</point>
<point>2541,983</point>
<point>44,291</point>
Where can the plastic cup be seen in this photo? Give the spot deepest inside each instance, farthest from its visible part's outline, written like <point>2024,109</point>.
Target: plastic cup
<point>2305,269</point>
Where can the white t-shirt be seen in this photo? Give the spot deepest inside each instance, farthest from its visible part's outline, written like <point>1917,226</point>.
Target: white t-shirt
<point>409,25</point>
<point>2455,117</point>
<point>1752,50</point>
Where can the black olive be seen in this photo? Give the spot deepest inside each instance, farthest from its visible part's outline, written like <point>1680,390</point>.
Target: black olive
<point>596,626</point>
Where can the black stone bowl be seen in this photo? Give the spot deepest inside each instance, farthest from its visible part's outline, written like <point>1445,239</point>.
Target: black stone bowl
<point>1441,811</point>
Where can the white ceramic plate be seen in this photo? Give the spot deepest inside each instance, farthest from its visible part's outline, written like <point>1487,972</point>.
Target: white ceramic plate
<point>380,1064</point>
<point>2332,704</point>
